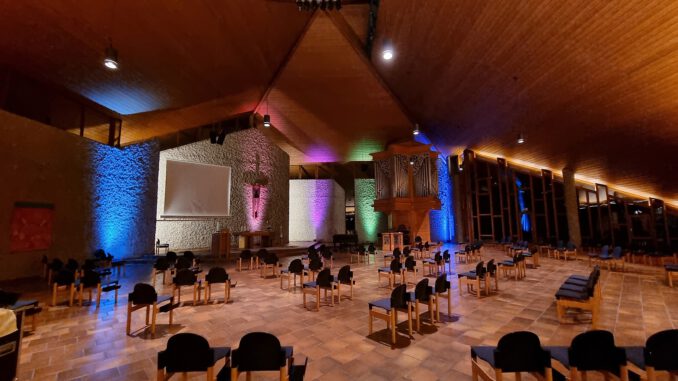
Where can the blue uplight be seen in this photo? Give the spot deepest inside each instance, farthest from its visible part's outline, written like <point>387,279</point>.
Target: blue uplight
<point>524,218</point>
<point>442,221</point>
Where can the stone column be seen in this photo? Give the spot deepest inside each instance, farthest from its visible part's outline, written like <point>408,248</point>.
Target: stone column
<point>571,209</point>
<point>457,197</point>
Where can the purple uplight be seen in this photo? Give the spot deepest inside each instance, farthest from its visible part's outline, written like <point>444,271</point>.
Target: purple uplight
<point>320,154</point>
<point>321,203</point>
<point>256,223</point>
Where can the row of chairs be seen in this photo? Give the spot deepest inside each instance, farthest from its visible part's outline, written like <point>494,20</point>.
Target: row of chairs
<point>171,263</point>
<point>471,253</point>
<point>580,293</point>
<point>592,351</point>
<point>612,260</point>
<point>402,300</point>
<point>325,282</point>
<point>256,352</point>
<point>76,282</point>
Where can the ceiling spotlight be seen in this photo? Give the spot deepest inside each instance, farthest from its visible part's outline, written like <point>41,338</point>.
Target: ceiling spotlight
<point>111,58</point>
<point>387,54</point>
<point>521,138</point>
<point>267,121</point>
<point>416,131</point>
<point>412,158</point>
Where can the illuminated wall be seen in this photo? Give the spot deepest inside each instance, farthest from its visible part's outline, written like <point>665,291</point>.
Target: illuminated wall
<point>317,210</point>
<point>442,221</point>
<point>367,222</point>
<point>243,151</point>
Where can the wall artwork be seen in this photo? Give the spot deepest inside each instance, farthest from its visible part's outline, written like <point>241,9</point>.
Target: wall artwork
<point>31,227</point>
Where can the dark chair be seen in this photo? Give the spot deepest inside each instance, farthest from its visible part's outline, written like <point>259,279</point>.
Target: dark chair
<point>442,289</point>
<point>259,351</point>
<point>516,352</point>
<point>245,256</point>
<point>394,255</point>
<point>185,277</point>
<point>91,280</point>
<point>63,280</point>
<point>490,274</point>
<point>473,278</point>
<point>436,263</point>
<point>259,257</point>
<point>270,262</point>
<point>514,266</point>
<point>591,351</point>
<point>658,355</point>
<point>325,282</point>
<point>671,272</point>
<point>387,310</point>
<point>358,253</point>
<point>297,372</point>
<point>581,294</point>
<point>188,352</point>
<point>171,258</point>
<point>422,294</point>
<point>161,266</point>
<point>144,296</point>
<point>296,268</point>
<point>463,255</point>
<point>594,256</point>
<point>73,266</point>
<point>54,267</point>
<point>395,269</point>
<point>217,275</point>
<point>327,257</point>
<point>314,266</point>
<point>183,263</point>
<point>345,277</point>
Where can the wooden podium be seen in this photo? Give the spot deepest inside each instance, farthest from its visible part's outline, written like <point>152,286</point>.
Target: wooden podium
<point>390,241</point>
<point>221,244</point>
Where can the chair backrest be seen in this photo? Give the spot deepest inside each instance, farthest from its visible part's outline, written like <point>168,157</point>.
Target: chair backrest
<point>327,254</point>
<point>72,264</point>
<point>426,245</point>
<point>8,298</point>
<point>246,254</point>
<point>184,263</point>
<point>595,350</point>
<point>397,252</point>
<point>315,264</point>
<point>410,263</point>
<point>171,257</point>
<point>258,351</point>
<point>345,274</point>
<point>143,294</point>
<point>660,350</point>
<point>371,249</point>
<point>271,259</point>
<point>571,246</point>
<point>99,254</point>
<point>417,239</point>
<point>468,248</point>
<point>617,252</point>
<point>185,277</point>
<point>161,264</point>
<point>442,284</point>
<point>399,297</point>
<point>604,251</point>
<point>491,267</point>
<point>64,277</point>
<point>216,275</point>
<point>446,255</point>
<point>521,352</point>
<point>422,291</point>
<point>361,249</point>
<point>480,269</point>
<point>90,278</point>
<point>438,257</point>
<point>186,352</point>
<point>324,278</point>
<point>296,266</point>
<point>189,254</point>
<point>407,251</point>
<point>395,265</point>
<point>261,254</point>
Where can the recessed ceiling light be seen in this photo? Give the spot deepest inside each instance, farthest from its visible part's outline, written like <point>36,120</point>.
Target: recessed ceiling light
<point>387,54</point>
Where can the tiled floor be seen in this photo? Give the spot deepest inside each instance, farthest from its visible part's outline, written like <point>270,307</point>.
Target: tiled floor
<point>86,344</point>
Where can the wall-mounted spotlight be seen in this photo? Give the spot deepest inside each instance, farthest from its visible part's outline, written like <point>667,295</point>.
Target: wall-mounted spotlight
<point>416,131</point>
<point>521,138</point>
<point>267,121</point>
<point>111,57</point>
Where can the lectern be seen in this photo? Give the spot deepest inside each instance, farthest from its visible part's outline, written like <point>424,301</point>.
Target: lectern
<point>392,240</point>
<point>221,244</point>
<point>406,181</point>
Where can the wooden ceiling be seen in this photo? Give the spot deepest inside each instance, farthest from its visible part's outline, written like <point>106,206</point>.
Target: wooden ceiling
<point>593,84</point>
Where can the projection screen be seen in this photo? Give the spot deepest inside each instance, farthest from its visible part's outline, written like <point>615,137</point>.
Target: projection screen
<point>197,190</point>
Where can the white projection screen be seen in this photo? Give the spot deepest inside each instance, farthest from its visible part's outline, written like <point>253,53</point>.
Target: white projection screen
<point>197,190</point>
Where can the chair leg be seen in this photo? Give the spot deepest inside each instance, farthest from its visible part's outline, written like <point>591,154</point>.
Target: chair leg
<point>153,319</point>
<point>416,313</point>
<point>129,318</point>
<point>369,321</point>
<point>81,289</point>
<point>71,292</point>
<point>99,294</point>
<point>394,320</point>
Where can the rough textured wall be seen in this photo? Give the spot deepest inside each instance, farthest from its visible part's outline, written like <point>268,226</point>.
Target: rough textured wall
<point>317,210</point>
<point>442,221</point>
<point>367,222</point>
<point>240,152</point>
<point>45,165</point>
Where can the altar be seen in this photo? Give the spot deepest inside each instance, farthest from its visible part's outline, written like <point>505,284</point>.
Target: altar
<point>250,240</point>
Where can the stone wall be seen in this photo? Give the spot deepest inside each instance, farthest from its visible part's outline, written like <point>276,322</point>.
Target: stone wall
<point>103,197</point>
<point>442,221</point>
<point>368,223</point>
<point>243,151</point>
<point>317,210</point>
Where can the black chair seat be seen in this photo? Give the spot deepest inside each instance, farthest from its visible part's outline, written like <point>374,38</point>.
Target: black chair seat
<point>384,270</point>
<point>671,267</point>
<point>485,353</point>
<point>508,262</point>
<point>381,303</point>
<point>163,298</point>
<point>310,284</point>
<point>573,287</point>
<point>577,278</point>
<point>111,287</point>
<point>636,355</point>
<point>221,352</point>
<point>567,294</point>
<point>561,354</point>
<point>289,351</point>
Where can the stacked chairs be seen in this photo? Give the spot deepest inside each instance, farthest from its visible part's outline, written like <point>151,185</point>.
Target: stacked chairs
<point>671,272</point>
<point>217,275</point>
<point>515,266</point>
<point>294,270</point>
<point>592,351</point>
<point>387,310</point>
<point>442,289</point>
<point>246,257</point>
<point>185,277</point>
<point>658,355</point>
<point>516,352</point>
<point>258,352</point>
<point>345,277</point>
<point>144,296</point>
<point>324,281</point>
<point>91,280</point>
<point>393,270</point>
<point>580,293</point>
<point>422,294</point>
<point>188,352</point>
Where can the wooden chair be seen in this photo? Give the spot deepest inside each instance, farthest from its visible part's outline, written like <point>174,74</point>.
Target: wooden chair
<point>272,263</point>
<point>328,258</point>
<point>185,277</point>
<point>442,289</point>
<point>314,266</point>
<point>516,352</point>
<point>422,294</point>
<point>259,258</point>
<point>463,256</point>
<point>658,355</point>
<point>410,268</point>
<point>671,272</point>
<point>260,351</point>
<point>436,263</point>
<point>63,280</point>
<point>513,267</point>
<point>345,277</point>
<point>161,266</point>
<point>296,268</point>
<point>323,282</point>
<point>581,294</point>
<point>592,351</point>
<point>390,257</point>
<point>188,352</point>
<point>387,310</point>
<point>245,257</point>
<point>91,280</point>
<point>394,269</point>
<point>144,296</point>
<point>473,278</point>
<point>359,254</point>
<point>217,275</point>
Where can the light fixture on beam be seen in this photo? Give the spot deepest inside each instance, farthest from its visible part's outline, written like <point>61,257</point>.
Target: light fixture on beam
<point>521,138</point>
<point>111,57</point>
<point>267,121</point>
<point>416,131</point>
